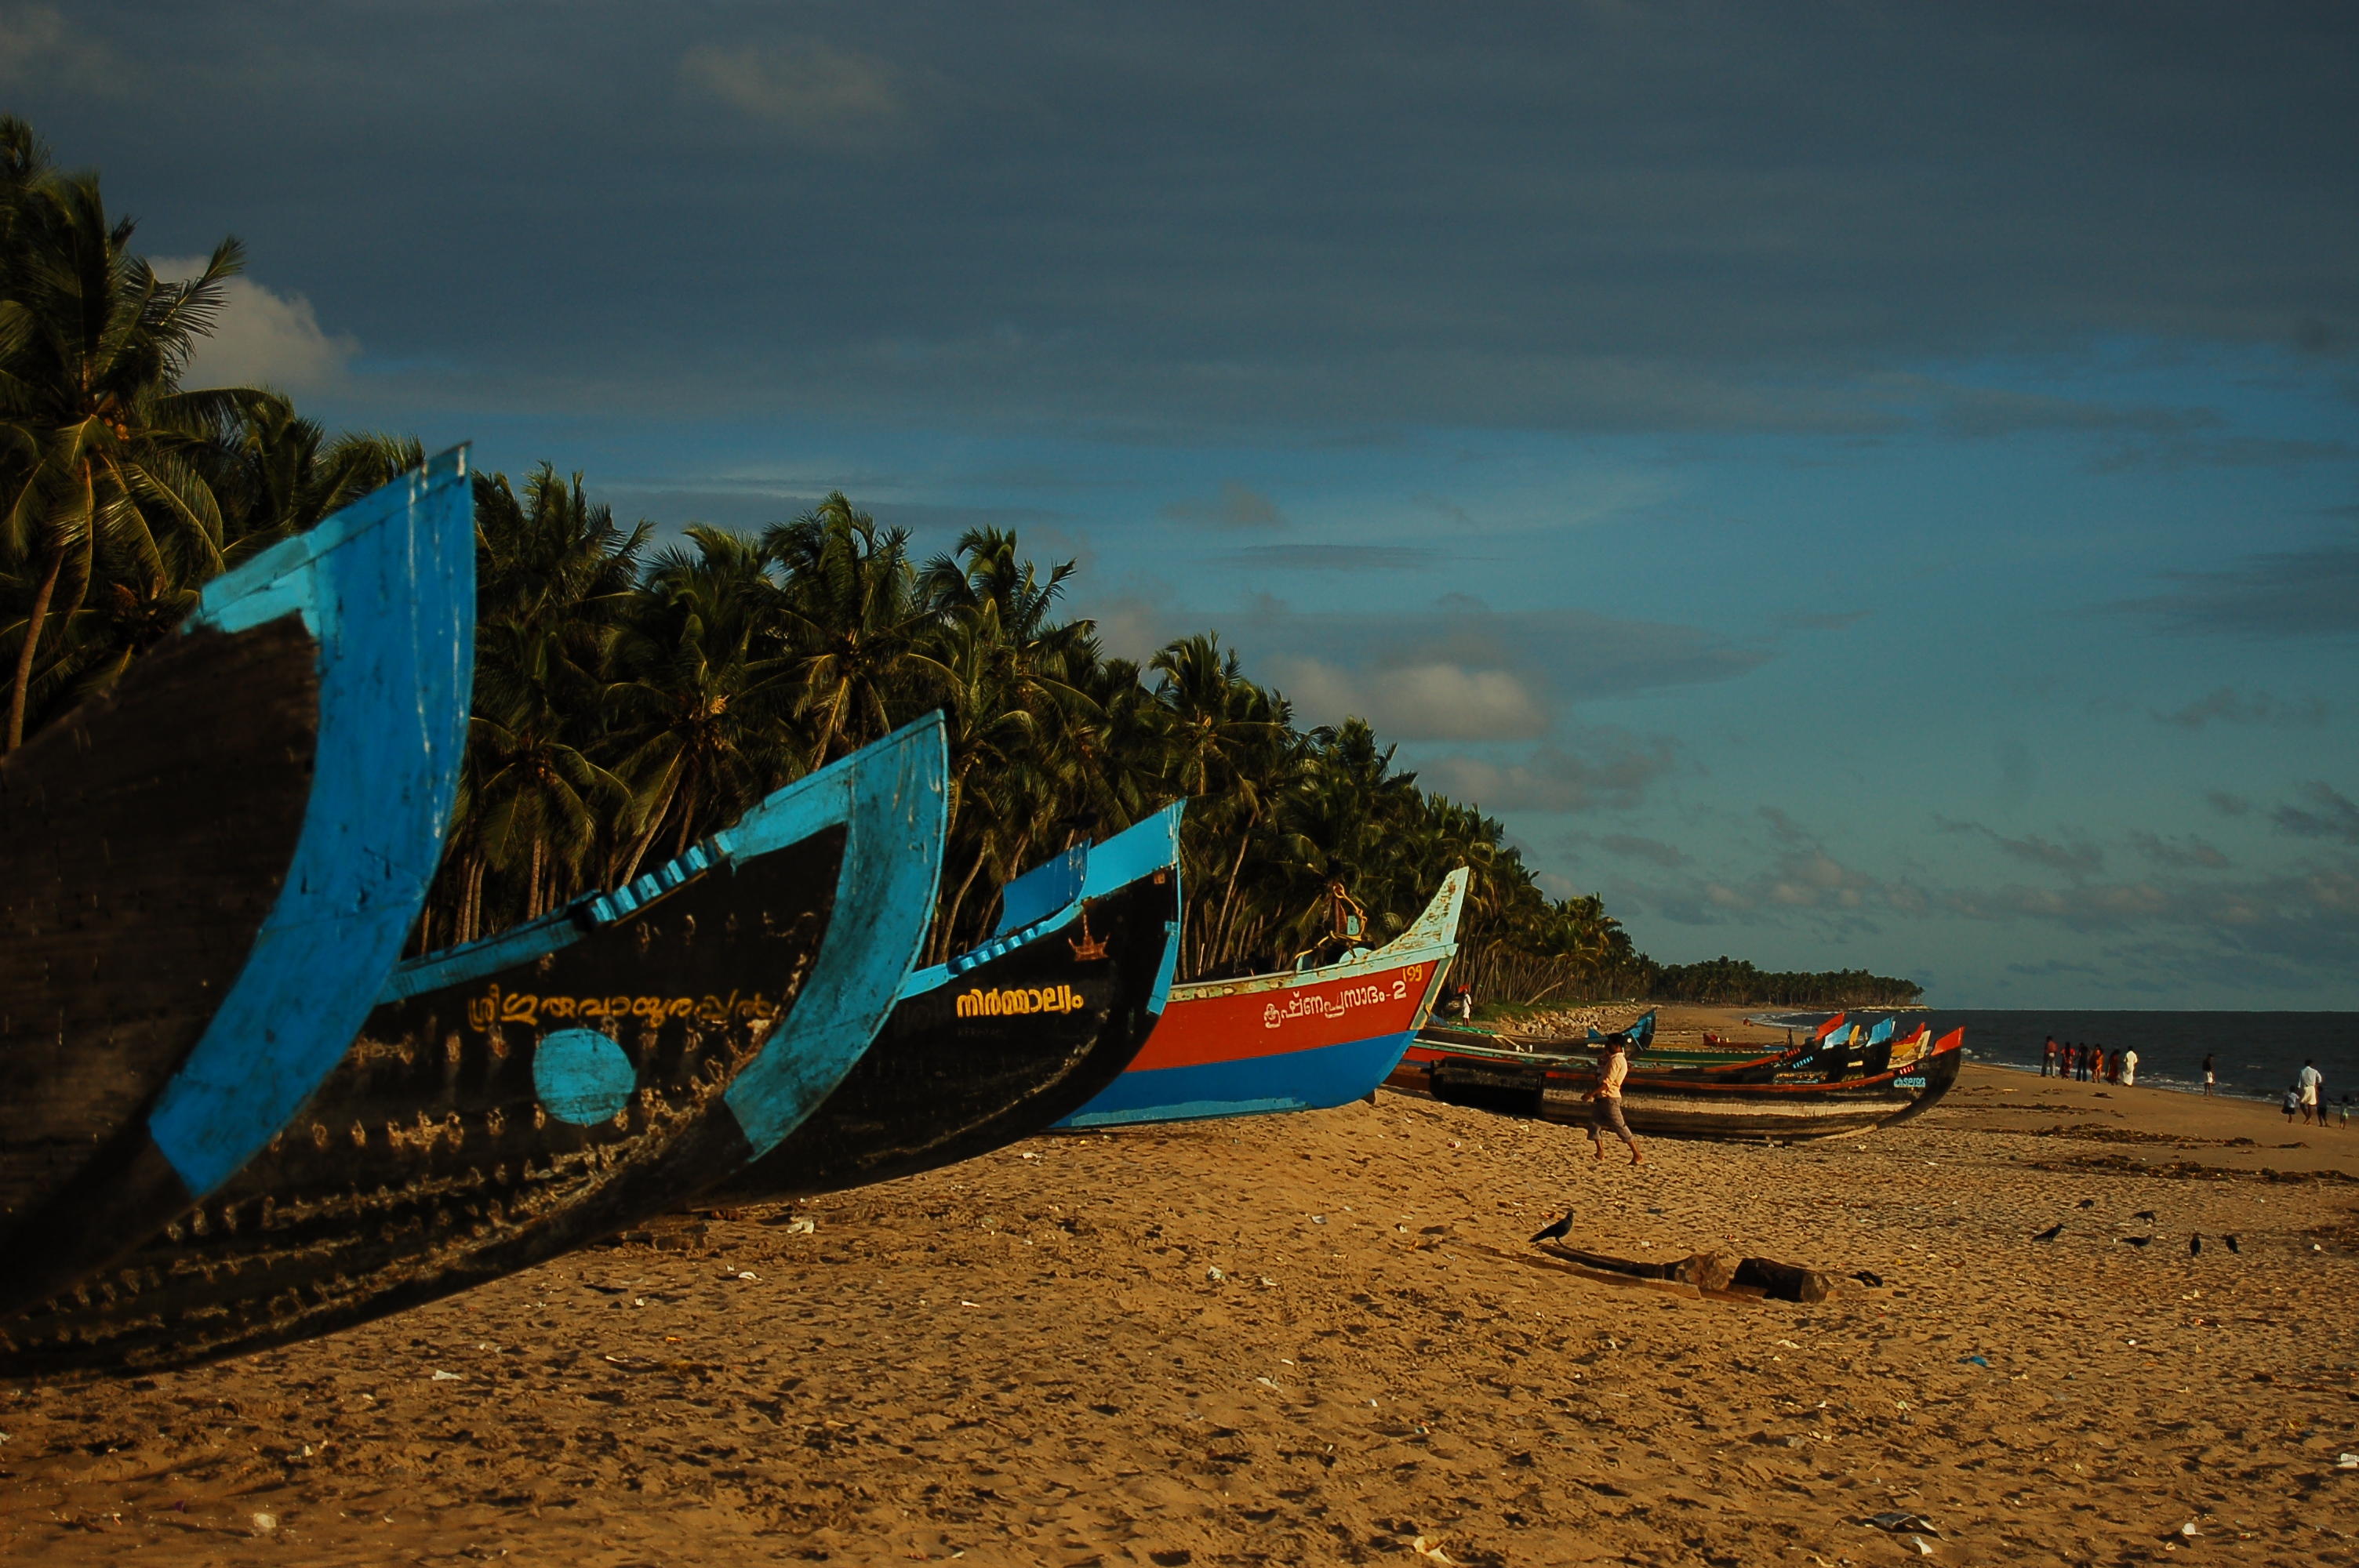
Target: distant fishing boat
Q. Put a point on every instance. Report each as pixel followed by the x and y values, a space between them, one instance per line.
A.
pixel 1318 1037
pixel 212 869
pixel 515 1098
pixel 1734 1063
pixel 1808 1093
pixel 998 1043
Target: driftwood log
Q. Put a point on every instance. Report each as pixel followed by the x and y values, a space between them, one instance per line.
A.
pixel 1718 1271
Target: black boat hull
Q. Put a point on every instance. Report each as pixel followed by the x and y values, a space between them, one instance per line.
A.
pixel 471 1131
pixel 296 745
pixel 994 1054
pixel 145 836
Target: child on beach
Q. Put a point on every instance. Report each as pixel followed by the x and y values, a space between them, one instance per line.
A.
pixel 2292 1104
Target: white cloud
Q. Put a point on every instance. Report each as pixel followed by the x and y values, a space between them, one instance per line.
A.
pixel 817 93
pixel 264 338
pixel 1419 702
pixel 1613 770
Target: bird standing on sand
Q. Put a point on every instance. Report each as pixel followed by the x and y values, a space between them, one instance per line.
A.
pixel 2051 1234
pixel 1557 1232
pixel 2232 1244
pixel 2088 1203
pixel 2194 1246
pixel 2143 1214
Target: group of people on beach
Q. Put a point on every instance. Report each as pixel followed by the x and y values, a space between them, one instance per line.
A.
pixel 2088 1064
pixel 2308 1096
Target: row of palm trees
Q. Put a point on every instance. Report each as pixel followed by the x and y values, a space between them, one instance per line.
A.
pixel 631 699
pixel 633 696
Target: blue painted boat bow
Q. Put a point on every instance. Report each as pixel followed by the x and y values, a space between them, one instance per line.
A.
pixel 387 586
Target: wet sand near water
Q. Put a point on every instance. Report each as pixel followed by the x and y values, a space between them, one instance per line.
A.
pixel 1029 1360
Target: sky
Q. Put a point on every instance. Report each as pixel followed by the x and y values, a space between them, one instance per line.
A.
pixel 1856 485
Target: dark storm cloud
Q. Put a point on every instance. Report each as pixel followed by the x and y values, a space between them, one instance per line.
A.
pixel 1458 671
pixel 1606 768
pixel 2122 437
pixel 2301 593
pixel 1630 847
pixel 2076 859
pixel 2227 706
pixel 2170 853
pixel 1235 507
pixel 2330 814
pixel 1144 220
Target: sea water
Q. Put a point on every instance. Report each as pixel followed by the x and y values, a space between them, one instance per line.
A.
pixel 2258 1053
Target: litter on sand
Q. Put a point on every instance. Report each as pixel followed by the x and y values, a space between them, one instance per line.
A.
pixel 1893 1523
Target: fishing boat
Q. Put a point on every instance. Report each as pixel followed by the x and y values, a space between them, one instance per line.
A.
pixel 1321 1036
pixel 1829 1049
pixel 998 1043
pixel 1818 1096
pixel 212 869
pixel 516 1096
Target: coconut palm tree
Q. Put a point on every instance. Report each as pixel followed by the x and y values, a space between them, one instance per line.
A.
pixel 701 694
pixel 853 623
pixel 105 455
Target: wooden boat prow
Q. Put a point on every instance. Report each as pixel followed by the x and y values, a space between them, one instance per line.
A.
pixel 1301 1041
pixel 225 854
pixel 998 1043
pixel 517 1096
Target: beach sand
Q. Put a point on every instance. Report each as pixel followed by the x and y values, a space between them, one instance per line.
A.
pixel 1028 1360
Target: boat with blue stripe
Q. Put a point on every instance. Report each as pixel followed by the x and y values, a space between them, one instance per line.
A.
pixel 513 1099
pixel 997 1042
pixel 212 866
pixel 1318 1037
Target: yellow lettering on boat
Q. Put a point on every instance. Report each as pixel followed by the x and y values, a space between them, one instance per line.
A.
pixel 1018 1000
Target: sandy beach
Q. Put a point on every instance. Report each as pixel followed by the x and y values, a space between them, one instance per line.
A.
pixel 1320 1339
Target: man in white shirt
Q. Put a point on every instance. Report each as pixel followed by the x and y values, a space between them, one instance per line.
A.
pixel 1605 1102
pixel 2130 1068
pixel 2310 1082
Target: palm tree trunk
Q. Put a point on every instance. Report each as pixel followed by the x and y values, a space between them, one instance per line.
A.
pixel 950 919
pixel 532 905
pixel 655 826
pixel 1245 840
pixel 472 923
pixel 34 620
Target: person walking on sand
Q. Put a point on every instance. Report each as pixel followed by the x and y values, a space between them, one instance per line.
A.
pixel 2211 1074
pixel 2292 1103
pixel 2310 1082
pixel 2129 1069
pixel 1605 1102
pixel 2048 1058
